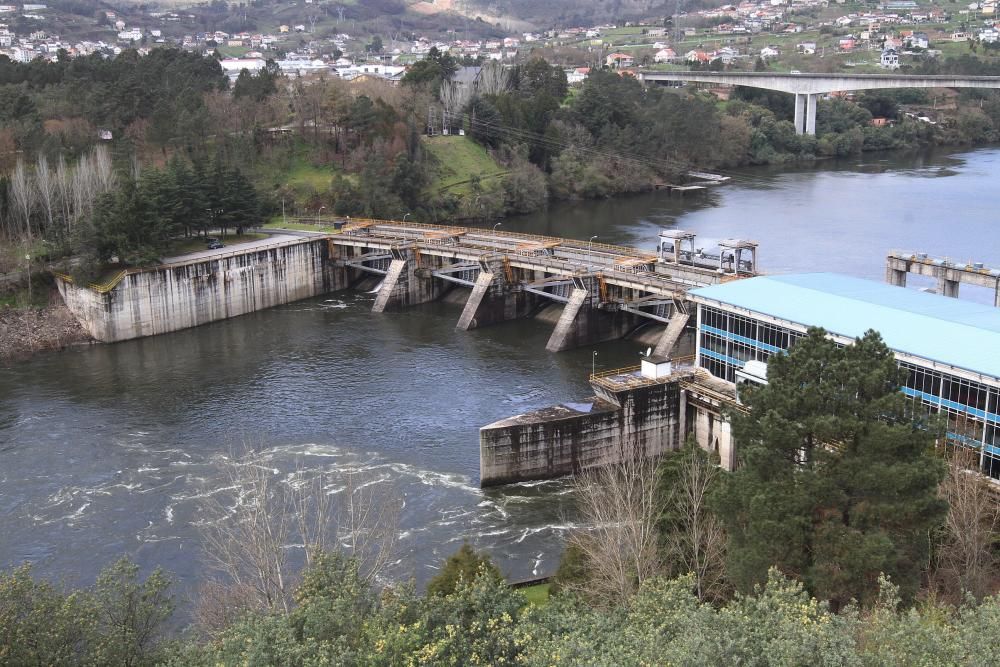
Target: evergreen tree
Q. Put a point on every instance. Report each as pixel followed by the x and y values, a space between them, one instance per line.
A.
pixel 838 479
pixel 465 565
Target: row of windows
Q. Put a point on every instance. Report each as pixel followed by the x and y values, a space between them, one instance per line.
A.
pixel 971 410
pixel 941 388
pixel 759 334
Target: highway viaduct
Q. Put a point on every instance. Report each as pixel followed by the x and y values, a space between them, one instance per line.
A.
pixel 808 87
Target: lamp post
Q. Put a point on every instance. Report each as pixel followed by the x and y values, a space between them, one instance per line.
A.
pixel 319 215
pixel 496 225
pixel 590 252
pixel 593 365
pixel 405 215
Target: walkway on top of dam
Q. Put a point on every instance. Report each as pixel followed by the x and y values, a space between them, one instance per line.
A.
pixel 651 271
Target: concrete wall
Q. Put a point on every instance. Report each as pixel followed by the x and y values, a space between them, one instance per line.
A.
pixel 173 297
pixel 569 438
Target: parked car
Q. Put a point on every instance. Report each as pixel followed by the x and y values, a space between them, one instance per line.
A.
pixel 215 244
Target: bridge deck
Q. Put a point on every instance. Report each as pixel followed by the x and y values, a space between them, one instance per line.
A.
pixel 619 265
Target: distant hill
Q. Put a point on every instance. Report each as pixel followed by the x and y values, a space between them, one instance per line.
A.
pixel 572 12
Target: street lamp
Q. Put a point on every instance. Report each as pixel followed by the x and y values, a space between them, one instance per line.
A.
pixel 319 215
pixel 593 365
pixel 590 252
pixel 496 225
pixel 405 216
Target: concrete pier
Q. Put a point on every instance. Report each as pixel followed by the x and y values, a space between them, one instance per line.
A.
pixel 407 284
pixel 582 324
pixel 493 301
pixel 948 274
pixel 170 297
pixel 628 416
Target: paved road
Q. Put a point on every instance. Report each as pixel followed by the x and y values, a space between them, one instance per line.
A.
pixel 251 245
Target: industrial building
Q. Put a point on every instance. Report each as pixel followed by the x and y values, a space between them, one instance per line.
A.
pixel 950 348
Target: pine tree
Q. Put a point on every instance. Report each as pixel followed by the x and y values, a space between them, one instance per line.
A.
pixel 838 478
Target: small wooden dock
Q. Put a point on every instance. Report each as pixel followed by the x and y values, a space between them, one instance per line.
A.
pixel 679 189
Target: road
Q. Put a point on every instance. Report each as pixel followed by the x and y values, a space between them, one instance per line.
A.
pixel 261 244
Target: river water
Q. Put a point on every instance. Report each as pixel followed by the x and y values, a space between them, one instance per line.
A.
pixel 112 450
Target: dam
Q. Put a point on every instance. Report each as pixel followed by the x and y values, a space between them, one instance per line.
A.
pixel 604 291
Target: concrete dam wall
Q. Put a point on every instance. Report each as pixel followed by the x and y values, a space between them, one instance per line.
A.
pixel 572 437
pixel 177 296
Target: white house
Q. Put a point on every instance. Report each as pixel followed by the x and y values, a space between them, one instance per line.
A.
pixel 769 52
pixel 665 55
pixel 889 59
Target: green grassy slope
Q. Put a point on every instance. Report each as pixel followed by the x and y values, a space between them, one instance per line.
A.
pixel 459 159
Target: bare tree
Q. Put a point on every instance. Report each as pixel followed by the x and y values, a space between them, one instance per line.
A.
pixel 45 187
pixel 620 504
pixel 454 97
pixel 368 524
pixel 966 557
pixel 696 542
pixel 247 535
pixel 246 542
pixel 64 193
pixel 22 193
pixel 494 79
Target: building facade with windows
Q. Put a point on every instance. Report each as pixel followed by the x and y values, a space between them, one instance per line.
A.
pixel 950 348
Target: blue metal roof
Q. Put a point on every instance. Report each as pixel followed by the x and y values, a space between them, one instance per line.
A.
pixel 955 332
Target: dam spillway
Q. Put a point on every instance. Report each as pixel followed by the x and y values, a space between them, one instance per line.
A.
pixel 605 291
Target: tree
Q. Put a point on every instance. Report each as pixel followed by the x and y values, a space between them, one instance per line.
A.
pixel 132 613
pixel 838 481
pixel 465 565
pixel 693 538
pixel 620 504
pixel 40 625
pixel 249 546
pixel 966 560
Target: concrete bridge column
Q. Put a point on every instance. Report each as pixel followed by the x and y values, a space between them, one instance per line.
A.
pixel 800 113
pixel 493 301
pixel 582 324
pixel 895 271
pixel 404 286
pixel 948 283
pixel 811 101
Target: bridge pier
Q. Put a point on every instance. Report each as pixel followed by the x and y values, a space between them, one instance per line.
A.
pixel 492 301
pixel 811 101
pixel 403 286
pixel 582 324
pixel 800 113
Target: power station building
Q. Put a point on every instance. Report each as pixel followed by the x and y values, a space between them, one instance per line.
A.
pixel 950 348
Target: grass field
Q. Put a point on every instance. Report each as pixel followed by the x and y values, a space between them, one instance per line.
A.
pixel 537 594
pixel 278 223
pixel 458 160
pixel 297 172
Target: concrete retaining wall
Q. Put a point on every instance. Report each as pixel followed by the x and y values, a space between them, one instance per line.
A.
pixel 173 297
pixel 569 438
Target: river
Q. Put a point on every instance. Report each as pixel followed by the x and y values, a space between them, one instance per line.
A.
pixel 111 450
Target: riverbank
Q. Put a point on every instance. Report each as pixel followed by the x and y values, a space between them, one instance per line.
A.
pixel 29 330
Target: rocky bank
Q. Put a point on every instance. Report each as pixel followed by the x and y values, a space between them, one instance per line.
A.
pixel 25 331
